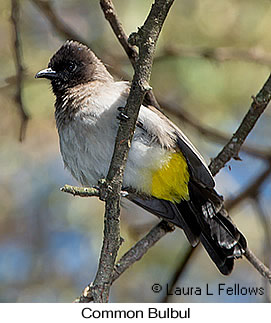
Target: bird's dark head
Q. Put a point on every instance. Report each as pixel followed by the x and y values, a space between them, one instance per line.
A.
pixel 73 64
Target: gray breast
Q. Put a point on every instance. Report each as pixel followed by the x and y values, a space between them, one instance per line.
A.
pixel 87 146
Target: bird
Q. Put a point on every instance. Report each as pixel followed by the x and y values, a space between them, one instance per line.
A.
pixel 164 174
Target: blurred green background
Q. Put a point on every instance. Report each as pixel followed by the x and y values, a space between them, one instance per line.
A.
pixel 50 241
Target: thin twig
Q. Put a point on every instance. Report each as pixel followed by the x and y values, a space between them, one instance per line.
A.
pixel 256 263
pixel 81 191
pixel 232 148
pixel 15 19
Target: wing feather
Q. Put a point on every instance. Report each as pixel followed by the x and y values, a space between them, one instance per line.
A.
pixel 155 125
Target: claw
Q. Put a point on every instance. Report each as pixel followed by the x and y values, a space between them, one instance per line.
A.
pixel 122 116
pixel 124 193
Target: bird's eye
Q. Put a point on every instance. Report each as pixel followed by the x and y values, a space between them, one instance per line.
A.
pixel 71 67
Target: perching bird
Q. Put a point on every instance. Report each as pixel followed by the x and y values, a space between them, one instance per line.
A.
pixel 164 174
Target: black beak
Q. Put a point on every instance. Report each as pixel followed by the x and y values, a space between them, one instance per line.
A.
pixel 47 73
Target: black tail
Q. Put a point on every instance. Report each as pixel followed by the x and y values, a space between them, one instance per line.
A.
pixel 212 226
pixel 203 218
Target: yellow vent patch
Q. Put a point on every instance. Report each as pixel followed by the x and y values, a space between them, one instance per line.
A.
pixel 170 182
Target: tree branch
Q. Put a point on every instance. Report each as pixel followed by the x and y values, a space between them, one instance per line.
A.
pixel 141 247
pixel 15 19
pixel 81 191
pixel 145 39
pixel 256 263
pixel 232 148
